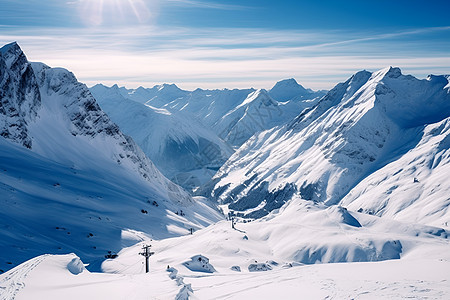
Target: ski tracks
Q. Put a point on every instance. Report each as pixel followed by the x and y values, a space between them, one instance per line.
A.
pixel 186 289
pixel 13 281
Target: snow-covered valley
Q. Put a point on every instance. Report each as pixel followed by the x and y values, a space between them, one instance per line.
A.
pixel 318 195
pixel 190 135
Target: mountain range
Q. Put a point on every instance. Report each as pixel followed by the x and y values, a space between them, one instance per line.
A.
pixel 377 143
pixel 190 135
pixel 238 194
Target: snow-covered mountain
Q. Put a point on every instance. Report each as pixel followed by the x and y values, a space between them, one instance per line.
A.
pixel 234 115
pixel 289 89
pixel 258 112
pixel 184 150
pixel 376 143
pixel 70 179
pixel 189 135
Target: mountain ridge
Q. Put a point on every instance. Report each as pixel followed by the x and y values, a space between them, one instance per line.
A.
pixel 331 147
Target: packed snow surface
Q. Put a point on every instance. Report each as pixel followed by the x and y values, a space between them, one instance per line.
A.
pixel 288 254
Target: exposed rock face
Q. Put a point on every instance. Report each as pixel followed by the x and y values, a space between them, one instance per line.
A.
pixel 19 95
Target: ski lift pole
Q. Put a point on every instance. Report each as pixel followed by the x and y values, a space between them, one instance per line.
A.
pixel 147 253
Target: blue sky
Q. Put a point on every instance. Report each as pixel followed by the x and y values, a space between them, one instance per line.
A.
pixel 217 44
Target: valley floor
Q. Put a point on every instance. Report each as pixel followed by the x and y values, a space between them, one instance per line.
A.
pixel 256 261
pixel 47 277
pixel 415 279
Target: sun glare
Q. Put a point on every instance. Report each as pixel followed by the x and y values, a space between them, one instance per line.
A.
pixel 116 12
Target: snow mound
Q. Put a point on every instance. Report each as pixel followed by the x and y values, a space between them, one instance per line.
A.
pixel 341 215
pixel 75 266
pixel 199 263
pixel 259 267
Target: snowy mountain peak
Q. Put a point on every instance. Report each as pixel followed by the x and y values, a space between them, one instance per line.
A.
pixel 340 93
pixel 290 83
pixel 9 46
pixel 19 94
pixel 390 72
pixel 354 130
pixel 408 101
pixel 172 87
pixel 360 76
pixel 288 89
pixel 260 97
pixel 39 102
pixel 12 54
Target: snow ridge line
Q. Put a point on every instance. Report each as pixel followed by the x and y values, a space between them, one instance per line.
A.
pixel 14 281
pixel 186 289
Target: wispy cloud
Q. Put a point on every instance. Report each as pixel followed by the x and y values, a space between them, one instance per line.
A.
pixel 229 57
pixel 209 4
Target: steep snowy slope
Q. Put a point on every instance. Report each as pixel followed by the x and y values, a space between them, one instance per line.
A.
pixel 413 188
pixel 184 150
pixel 65 165
pixel 49 207
pixel 50 112
pixel 258 112
pixel 360 127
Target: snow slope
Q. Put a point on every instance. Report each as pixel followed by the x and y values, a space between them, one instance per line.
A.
pixel 368 128
pixel 70 180
pixel 296 249
pixel 185 151
pixel 51 277
pixel 258 112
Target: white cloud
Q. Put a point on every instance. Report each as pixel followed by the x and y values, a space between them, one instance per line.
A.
pixel 226 57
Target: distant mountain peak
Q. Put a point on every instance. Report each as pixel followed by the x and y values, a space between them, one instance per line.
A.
pixel 261 96
pixel 389 72
pixel 290 82
pixel 168 87
pixel 13 54
pixel 288 89
pixel 8 47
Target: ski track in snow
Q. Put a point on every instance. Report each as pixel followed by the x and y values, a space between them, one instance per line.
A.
pixel 14 282
pixel 186 289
